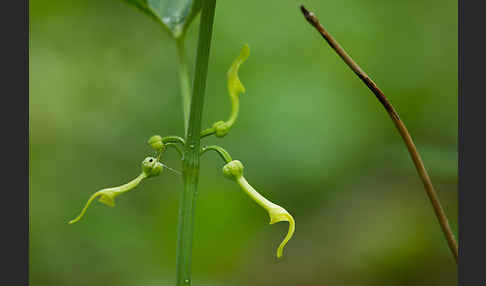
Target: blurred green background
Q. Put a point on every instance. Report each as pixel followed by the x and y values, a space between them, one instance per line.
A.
pixel 313 138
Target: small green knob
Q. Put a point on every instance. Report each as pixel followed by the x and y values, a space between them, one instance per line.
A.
pixel 221 128
pixel 156 143
pixel 233 170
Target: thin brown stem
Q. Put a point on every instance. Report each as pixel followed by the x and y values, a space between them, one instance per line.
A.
pixel 417 160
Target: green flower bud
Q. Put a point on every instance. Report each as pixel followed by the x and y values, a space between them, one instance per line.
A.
pixel 233 170
pixel 156 143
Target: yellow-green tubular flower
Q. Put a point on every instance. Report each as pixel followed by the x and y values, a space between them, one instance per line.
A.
pixel 150 168
pixel 234 171
pixel 235 87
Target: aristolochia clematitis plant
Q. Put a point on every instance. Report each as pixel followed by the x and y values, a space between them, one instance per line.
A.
pixel 233 169
pixel 175 16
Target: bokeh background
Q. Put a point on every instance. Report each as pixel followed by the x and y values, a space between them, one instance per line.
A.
pixel 313 138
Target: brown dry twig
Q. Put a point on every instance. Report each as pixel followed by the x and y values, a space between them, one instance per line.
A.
pixel 417 160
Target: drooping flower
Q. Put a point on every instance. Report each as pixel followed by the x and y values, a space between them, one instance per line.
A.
pixel 151 167
pixel 234 171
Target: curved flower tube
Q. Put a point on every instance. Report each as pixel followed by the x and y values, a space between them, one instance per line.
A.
pixel 234 171
pixel 150 168
pixel 235 87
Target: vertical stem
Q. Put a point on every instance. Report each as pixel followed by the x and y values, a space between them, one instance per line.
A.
pixel 185 84
pixel 192 147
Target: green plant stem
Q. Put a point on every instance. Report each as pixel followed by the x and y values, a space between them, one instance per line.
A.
pixel 190 169
pixel 220 150
pixel 184 80
pixel 208 132
pixel 417 160
pixel 173 139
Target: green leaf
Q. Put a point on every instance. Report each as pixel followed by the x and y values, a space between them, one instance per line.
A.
pixel 175 15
